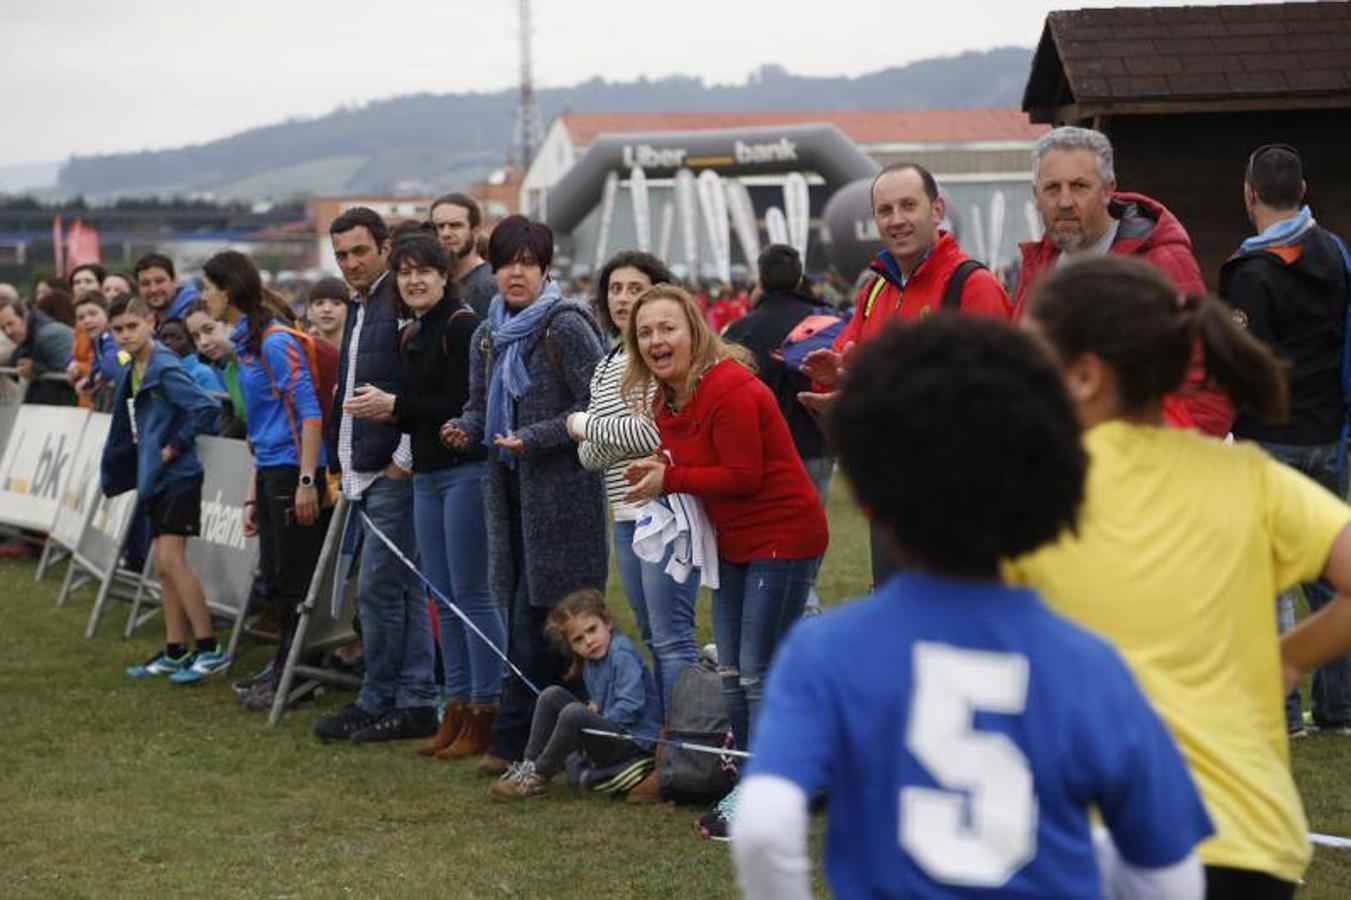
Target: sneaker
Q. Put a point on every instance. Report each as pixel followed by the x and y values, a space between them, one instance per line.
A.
pixel 626 778
pixel 341 724
pixel 399 725
pixel 1297 732
pixel 490 766
pixel 160 664
pixel 203 664
pixel 267 674
pixel 715 825
pixel 524 782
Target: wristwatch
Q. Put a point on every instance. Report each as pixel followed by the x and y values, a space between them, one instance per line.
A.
pixel 307 481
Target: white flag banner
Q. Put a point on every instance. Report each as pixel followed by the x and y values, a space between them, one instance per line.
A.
pixel 607 215
pixel 713 203
pixel 997 212
pixel 743 220
pixel 667 231
pixel 977 234
pixel 685 194
pixel 776 226
pixel 1033 220
pixel 642 216
pixel 797 209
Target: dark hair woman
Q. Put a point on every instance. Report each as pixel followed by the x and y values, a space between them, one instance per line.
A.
pixel 284 421
pixel 448 513
pixel 530 366
pixel 1182 545
pixel 610 435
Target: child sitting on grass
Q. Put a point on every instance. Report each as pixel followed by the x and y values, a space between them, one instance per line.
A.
pixel 623 699
pixel 158 411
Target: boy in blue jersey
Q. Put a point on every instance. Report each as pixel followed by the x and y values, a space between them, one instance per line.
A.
pixel 961 730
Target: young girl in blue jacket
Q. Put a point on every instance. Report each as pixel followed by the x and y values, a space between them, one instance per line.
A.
pixel 623 695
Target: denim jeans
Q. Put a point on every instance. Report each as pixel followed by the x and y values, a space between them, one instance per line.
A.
pixel 663 608
pixel 396 628
pixel 753 608
pixel 819 470
pixel 452 543
pixel 1331 689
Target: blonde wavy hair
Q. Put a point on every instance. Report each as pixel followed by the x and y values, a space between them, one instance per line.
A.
pixel 707 349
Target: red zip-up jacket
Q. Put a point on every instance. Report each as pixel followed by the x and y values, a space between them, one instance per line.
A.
pixel 730 448
pixel 1148 230
pixel 982 294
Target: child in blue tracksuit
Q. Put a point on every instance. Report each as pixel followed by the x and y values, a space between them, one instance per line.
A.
pixel 158 411
pixel 623 695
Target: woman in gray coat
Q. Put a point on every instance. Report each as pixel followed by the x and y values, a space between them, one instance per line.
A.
pixel 530 366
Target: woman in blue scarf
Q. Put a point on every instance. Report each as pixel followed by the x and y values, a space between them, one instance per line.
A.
pixel 530 366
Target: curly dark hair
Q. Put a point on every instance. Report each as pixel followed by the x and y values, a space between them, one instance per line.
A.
pixel 958 435
pixel 650 265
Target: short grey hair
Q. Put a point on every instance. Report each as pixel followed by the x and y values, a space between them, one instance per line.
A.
pixel 8 290
pixel 1067 137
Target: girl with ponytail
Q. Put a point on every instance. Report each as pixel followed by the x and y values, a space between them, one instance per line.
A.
pixel 285 500
pixel 1183 543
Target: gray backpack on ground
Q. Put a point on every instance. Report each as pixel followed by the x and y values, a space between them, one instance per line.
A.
pixel 696 715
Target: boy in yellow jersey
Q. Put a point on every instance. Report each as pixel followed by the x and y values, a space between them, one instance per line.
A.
pixel 1181 544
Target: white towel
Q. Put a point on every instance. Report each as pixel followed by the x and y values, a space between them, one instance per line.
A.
pixel 678 520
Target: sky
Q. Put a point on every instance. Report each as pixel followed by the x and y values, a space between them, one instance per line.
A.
pixel 87 77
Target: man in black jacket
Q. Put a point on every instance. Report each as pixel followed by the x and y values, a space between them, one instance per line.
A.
pixel 398 693
pixel 782 303
pixel 1288 286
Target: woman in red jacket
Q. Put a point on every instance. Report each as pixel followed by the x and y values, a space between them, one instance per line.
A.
pixel 729 446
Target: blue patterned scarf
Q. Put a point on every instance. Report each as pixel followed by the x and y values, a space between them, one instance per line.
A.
pixel 514 335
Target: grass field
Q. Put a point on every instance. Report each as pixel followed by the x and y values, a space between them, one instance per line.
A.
pixel 113 788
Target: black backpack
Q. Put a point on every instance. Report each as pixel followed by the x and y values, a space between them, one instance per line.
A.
pixel 696 714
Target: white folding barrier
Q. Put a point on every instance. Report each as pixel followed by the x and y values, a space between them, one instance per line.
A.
pixel 319 629
pixel 79 494
pixel 36 466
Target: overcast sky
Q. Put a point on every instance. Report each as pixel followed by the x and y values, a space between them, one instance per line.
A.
pixel 101 76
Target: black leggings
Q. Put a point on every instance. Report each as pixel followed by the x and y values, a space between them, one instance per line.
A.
pixel 1223 883
pixel 294 548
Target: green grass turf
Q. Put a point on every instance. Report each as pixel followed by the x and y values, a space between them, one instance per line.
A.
pixel 114 788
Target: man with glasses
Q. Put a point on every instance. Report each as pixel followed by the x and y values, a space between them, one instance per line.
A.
pixel 1287 284
pixel 1084 215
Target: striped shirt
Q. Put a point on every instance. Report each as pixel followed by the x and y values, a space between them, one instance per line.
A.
pixel 614 435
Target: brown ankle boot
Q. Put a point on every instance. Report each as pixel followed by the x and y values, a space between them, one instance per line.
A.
pixel 490 766
pixel 476 734
pixel 452 723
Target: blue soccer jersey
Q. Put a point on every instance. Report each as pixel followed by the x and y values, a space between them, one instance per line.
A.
pixel 962 732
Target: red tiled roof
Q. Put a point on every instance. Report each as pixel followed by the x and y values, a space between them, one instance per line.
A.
pixel 1192 52
pixel 927 126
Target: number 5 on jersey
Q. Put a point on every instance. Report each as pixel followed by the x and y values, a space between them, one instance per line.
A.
pixel 980 827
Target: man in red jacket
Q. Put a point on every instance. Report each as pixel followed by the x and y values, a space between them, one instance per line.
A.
pixel 1085 215
pixel 922 270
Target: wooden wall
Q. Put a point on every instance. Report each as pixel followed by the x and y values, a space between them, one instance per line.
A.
pixel 1194 164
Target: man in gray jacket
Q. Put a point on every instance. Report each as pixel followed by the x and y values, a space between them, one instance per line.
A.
pixel 41 345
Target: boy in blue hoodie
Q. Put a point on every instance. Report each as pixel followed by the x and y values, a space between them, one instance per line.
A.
pixel 158 411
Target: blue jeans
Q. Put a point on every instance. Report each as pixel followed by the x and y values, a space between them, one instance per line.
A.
pixel 452 544
pixel 819 470
pixel 1331 689
pixel 396 628
pixel 663 608
pixel 753 608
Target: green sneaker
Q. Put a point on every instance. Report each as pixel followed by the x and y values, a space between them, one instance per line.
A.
pixel 160 664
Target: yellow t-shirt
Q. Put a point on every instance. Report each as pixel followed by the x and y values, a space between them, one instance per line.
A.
pixel 1182 546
